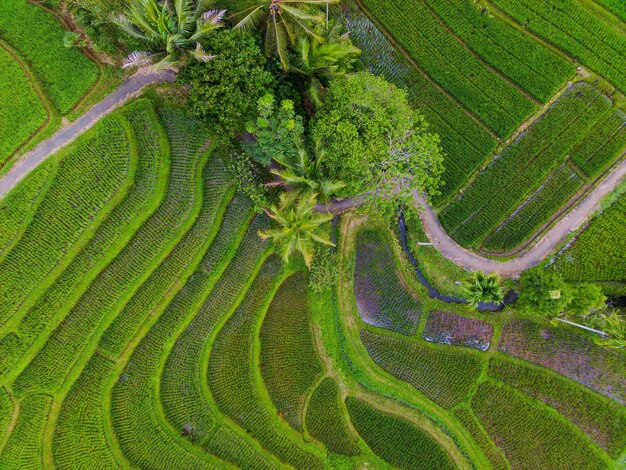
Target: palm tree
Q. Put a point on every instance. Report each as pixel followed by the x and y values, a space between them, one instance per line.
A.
pixel 298 226
pixel 323 57
pixel 483 288
pixel 304 172
pixel 171 30
pixel 283 21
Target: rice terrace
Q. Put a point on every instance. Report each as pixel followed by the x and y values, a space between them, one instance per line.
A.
pixel 309 234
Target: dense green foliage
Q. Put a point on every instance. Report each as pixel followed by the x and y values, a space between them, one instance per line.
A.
pixel 544 292
pixel 326 419
pixel 395 440
pixel 224 90
pixel 480 287
pixel 38 38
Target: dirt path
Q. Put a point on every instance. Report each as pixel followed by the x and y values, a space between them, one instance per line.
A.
pixel 29 161
pixel 545 245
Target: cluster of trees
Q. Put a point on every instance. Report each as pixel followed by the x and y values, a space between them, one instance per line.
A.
pixel 284 89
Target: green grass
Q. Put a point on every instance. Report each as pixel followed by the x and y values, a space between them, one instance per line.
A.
pixel 491 98
pixel 113 286
pixel 80 435
pixel 443 374
pixel 25 115
pixel 289 362
pixel 232 376
pixel 89 175
pixel 529 434
pixel 17 207
pixel 598 254
pixel 66 74
pixel 24 446
pixel 395 440
pixel 326 420
pixel 556 192
pixel 116 230
pixel 6 412
pixel 601 419
pixel 575 30
pixel 524 165
pixel 529 64
pixel 381 297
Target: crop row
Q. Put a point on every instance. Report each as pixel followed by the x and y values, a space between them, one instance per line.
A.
pixel 381 298
pixel 17 207
pixel 616 6
pixel 528 63
pixel 326 421
pixel 558 189
pixel 113 286
pixel 524 165
pixel 492 99
pixel 449 328
pixel 182 390
pixel 232 376
pixel 140 428
pixel 6 412
pixel 529 434
pixel 66 73
pixel 574 29
pixel 445 376
pixel 289 362
pixel 598 252
pixel 606 142
pixel 601 418
pixel 142 197
pixel 217 192
pixel 395 440
pixel 24 448
pixel 493 454
pixel 80 434
pixel 466 144
pixel 90 173
pixel 25 114
pixel 564 351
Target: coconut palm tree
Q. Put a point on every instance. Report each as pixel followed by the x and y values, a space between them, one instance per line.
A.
pixel 480 287
pixel 170 29
pixel 322 57
pixel 304 172
pixel 299 226
pixel 283 20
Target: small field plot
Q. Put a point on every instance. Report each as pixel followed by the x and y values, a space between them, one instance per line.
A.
pixel 569 353
pixel 599 417
pixel 449 328
pixel 523 167
pixel 395 440
pixel 598 253
pixel 25 115
pixel 466 143
pixel 444 376
pixel 326 421
pixel 36 35
pixel 618 7
pixel 381 298
pixel 289 362
pixel 491 98
pixel 529 434
pixel 578 32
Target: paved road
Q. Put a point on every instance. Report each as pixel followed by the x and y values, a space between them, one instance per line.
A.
pixel 29 161
pixel 471 261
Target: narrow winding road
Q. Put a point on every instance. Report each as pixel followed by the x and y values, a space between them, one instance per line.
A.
pixel 30 160
pixel 435 232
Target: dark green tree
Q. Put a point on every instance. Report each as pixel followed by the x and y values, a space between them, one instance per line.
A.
pixel 225 90
pixel 544 292
pixel 481 287
pixel 587 298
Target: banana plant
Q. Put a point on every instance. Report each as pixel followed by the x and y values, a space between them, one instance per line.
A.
pixel 480 287
pixel 170 29
pixel 283 21
pixel 299 226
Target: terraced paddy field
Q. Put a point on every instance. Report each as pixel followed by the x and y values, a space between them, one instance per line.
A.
pixel 35 78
